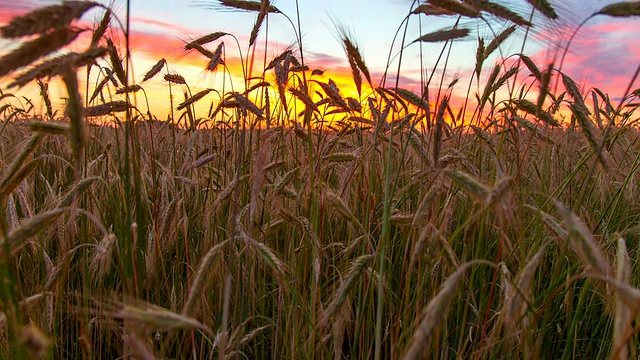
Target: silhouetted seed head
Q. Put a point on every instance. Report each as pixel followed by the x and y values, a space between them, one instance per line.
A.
pixel 154 70
pixel 544 7
pixel 54 66
pixel 278 59
pixel 99 32
pixel 45 19
pixel 116 62
pixel 443 35
pixel 247 5
pixel 193 99
pixel 205 39
pixel 175 79
pixel 621 9
pixel 456 7
pixel 428 9
pixel 216 58
pixel 107 108
pixel 499 11
pixel 35 49
pixel 129 89
pixel 498 40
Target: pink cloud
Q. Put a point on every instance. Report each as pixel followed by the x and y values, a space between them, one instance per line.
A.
pixel 603 55
pixel 161 24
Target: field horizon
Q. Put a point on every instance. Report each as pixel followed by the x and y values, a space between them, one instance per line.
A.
pixel 286 217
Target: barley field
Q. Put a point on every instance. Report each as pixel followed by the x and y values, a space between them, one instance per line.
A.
pixel 290 221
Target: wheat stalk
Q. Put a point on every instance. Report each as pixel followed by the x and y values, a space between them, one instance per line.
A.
pixel 516 303
pixel 35 341
pixel 356 269
pixel 265 253
pixel 262 14
pixel 443 35
pixel 621 9
pixel 57 273
pixel 531 66
pixel 138 348
pixel 10 180
pixel 193 98
pixel 76 120
pixel 33 226
pixel 26 304
pixel 247 5
pixel 55 66
pixel 157 318
pixel 428 9
pixel 44 19
pixel 206 269
pixel 33 50
pixel 102 256
pixel 246 104
pixel 107 108
pixel 545 80
pixel 304 97
pixel 434 314
pixel 78 189
pixel 622 322
pixel 456 7
pixel 498 40
pixel 155 70
pixel 531 108
pixel 215 59
pixel 469 184
pixel 116 62
pixel 338 204
pixel 544 7
pixel 582 242
pixel 175 79
pixel 499 11
pixel 205 39
pixel 101 29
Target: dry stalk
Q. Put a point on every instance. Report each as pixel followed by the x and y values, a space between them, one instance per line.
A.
pixel 36 49
pixel 44 19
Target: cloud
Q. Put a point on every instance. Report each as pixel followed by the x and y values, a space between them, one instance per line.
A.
pixel 604 55
pixel 136 20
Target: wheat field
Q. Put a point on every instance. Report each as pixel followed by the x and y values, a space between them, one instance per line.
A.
pixel 293 222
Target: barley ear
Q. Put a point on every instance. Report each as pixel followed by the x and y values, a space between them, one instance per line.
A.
pixel 443 35
pixel 33 50
pixel 622 324
pixel 151 317
pixel 621 9
pixel 262 14
pixel 545 7
pixel 470 185
pixel 44 19
pixel 74 111
pixel 434 314
pixel 99 32
pixel 516 303
pixel 582 242
pixel 11 179
pixel 457 7
pixel 354 273
pixel 35 341
pixel 337 202
pixel 32 226
pixel 139 349
pixel 206 269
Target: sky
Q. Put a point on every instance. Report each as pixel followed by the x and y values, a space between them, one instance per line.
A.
pixel 605 53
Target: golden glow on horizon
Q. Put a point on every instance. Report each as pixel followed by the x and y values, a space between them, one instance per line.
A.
pixel 149 48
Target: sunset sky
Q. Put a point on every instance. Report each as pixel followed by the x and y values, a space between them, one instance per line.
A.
pixel 605 53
